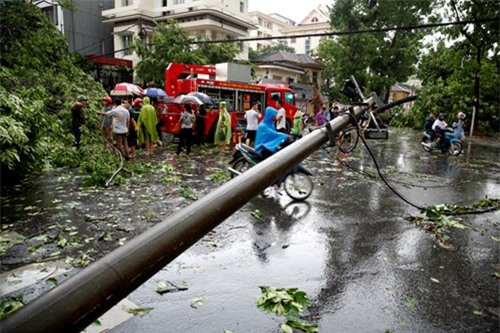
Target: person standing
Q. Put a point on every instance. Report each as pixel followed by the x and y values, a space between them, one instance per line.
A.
pixel 132 129
pixel 281 117
pixel 252 117
pixel 154 102
pixel 297 125
pixel 121 123
pixel 105 123
pixel 187 121
pixel 320 117
pixel 147 126
pixel 201 115
pixel 78 118
pixel 223 129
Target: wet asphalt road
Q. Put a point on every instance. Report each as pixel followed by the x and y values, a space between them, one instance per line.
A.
pixel 364 266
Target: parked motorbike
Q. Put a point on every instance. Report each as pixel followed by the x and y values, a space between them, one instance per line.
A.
pixel 448 143
pixel 297 181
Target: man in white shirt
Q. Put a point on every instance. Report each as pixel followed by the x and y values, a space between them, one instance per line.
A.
pixel 281 117
pixel 252 116
pixel 121 123
pixel 439 127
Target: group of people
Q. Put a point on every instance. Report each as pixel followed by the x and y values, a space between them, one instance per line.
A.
pixel 436 127
pixel 123 124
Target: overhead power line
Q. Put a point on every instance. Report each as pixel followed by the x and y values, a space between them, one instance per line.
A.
pixel 354 32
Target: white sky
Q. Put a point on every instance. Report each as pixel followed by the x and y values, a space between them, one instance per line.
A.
pixel 295 10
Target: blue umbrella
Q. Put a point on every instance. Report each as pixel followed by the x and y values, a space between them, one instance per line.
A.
pixel 155 93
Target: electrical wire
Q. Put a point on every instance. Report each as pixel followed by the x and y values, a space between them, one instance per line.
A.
pixel 353 32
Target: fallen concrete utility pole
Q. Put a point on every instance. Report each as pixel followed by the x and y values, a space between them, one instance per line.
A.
pixel 78 301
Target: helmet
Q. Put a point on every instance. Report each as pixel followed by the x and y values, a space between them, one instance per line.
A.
pixel 81 98
pixel 108 99
pixel 137 101
pixel 461 114
pixel 441 114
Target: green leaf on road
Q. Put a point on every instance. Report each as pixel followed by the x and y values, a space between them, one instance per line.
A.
pixel 258 214
pixel 410 302
pixel 141 312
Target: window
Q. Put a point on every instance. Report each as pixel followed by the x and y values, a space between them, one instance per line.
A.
pixel 127 40
pixel 308 45
pixel 51 13
pixel 164 3
pixel 126 3
pixel 315 77
pixel 178 2
pixel 242 7
pixel 314 19
pixel 290 97
pixel 277 78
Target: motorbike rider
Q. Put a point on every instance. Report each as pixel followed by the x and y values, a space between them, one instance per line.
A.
pixel 439 127
pixel 458 127
pixel 267 140
pixel 429 121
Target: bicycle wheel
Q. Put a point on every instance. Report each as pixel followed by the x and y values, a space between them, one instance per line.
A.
pixel 348 139
pixel 298 186
pixel 241 165
pixel 455 148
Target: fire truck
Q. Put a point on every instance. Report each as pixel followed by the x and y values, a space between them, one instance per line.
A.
pixel 222 82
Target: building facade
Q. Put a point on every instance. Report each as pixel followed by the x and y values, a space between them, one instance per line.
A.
pixel 267 26
pixel 318 21
pixel 222 19
pixel 82 26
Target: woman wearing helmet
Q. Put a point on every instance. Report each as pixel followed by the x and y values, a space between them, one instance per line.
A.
pixel 458 127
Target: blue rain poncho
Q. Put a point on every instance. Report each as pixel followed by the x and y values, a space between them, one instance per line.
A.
pixel 267 137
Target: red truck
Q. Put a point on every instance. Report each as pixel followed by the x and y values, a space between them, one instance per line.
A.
pixel 185 78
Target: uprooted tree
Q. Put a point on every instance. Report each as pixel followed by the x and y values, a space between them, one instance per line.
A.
pixel 39 81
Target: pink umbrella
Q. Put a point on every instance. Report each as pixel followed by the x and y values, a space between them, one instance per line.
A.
pixel 126 89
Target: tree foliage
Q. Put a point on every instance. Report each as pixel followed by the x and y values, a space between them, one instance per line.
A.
pixel 463 72
pixel 380 59
pixel 38 84
pixel 170 43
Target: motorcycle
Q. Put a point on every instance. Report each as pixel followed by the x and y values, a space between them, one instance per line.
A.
pixel 448 143
pixel 297 181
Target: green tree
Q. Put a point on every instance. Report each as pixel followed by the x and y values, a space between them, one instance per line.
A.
pixel 173 44
pixel 448 80
pixel 38 84
pixel 480 41
pixel 170 44
pixel 215 53
pixel 380 59
pixel 279 46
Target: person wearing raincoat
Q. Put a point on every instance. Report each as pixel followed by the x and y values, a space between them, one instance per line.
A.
pixel 147 126
pixel 223 129
pixel 268 140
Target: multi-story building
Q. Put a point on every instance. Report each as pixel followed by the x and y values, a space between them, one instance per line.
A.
pixel 214 19
pixel 268 26
pixel 83 27
pixel 318 21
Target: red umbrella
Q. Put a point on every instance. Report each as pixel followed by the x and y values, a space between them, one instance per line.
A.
pixel 126 89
